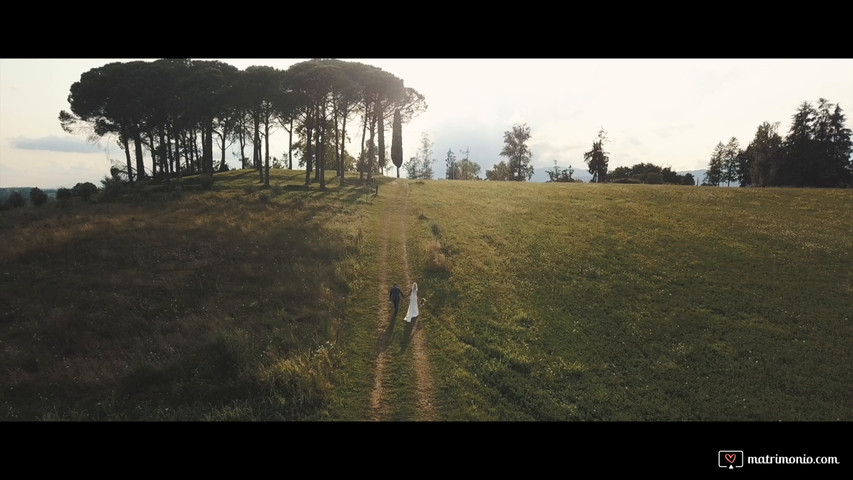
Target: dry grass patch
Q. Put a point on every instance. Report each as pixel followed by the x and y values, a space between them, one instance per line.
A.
pixel 174 307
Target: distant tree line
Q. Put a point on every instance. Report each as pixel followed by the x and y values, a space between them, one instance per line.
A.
pixel 815 153
pixel 14 197
pixel 651 174
pixel 517 167
pixel 181 110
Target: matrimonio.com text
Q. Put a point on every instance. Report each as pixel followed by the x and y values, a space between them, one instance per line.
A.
pixel 732 459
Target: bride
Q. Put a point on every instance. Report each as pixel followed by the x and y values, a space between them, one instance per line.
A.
pixel 413 304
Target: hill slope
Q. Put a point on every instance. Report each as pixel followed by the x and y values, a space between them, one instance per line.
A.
pixel 637 303
pixel 168 305
pixel 542 302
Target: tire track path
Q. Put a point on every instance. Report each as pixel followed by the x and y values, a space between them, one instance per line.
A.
pixel 395 216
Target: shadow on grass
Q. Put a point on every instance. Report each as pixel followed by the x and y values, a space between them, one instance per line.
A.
pixel 388 333
pixel 168 311
pixel 409 333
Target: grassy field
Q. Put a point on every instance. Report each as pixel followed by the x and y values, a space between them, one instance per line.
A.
pixel 568 302
pixel 219 304
pixel 638 303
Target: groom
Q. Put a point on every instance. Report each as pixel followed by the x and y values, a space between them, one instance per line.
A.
pixel 396 295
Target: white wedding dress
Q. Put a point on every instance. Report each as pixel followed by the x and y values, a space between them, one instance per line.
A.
pixel 413 303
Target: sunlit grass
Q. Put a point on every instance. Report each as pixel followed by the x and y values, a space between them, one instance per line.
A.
pixel 637 303
pixel 542 302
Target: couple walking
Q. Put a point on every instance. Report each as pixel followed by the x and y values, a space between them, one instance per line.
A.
pixel 397 295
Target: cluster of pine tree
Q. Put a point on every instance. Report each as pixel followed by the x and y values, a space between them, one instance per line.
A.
pixel 815 153
pixel 179 109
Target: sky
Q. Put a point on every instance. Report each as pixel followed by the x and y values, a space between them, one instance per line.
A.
pixel 668 111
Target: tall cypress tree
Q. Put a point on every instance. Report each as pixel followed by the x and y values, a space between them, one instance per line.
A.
pixel 397 141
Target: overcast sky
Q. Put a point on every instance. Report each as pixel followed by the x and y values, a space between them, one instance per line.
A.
pixel 671 112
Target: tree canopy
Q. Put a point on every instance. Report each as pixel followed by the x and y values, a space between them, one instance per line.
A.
pixel 649 173
pixel 518 153
pixel 597 159
pixel 816 152
pixel 173 108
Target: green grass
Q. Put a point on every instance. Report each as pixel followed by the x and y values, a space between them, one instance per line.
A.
pixel 567 302
pixel 639 303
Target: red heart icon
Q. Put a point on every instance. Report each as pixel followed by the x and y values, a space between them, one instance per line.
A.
pixel 730 457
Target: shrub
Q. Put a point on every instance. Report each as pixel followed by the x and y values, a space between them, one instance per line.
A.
pixel 63 194
pixel 654 178
pixel 16 200
pixel 113 187
pixel 84 190
pixel 437 262
pixel 37 196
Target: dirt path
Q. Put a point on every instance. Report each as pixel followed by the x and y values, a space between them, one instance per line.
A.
pixel 395 217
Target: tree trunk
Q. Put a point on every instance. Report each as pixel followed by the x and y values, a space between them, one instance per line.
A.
pixel 172 152
pixel 224 139
pixel 241 137
pixel 363 161
pixel 201 158
pixel 321 158
pixel 317 146
pixel 290 145
pixel 308 151
pixel 176 134
pixel 343 149
pixel 337 143
pixel 370 151
pixel 182 137
pixel 184 148
pixel 207 147
pixel 256 147
pixel 194 163
pixel 164 158
pixel 267 156
pixel 191 150
pixel 140 165
pixel 126 143
pixel 151 147
pixel 381 131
